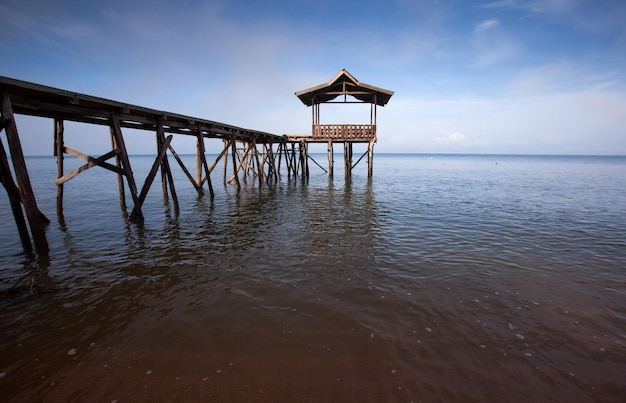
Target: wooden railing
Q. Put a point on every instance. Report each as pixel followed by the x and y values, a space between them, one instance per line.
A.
pixel 344 131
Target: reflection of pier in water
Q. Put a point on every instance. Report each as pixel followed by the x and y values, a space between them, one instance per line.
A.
pixel 253 153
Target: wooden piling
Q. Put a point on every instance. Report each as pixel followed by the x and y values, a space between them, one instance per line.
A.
pixel 234 156
pixel 146 187
pixel 120 175
pixel 128 172
pixel 14 198
pixel 370 159
pixel 166 173
pixel 59 152
pixel 21 173
pixel 203 164
pixel 331 158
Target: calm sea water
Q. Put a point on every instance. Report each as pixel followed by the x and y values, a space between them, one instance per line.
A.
pixel 443 278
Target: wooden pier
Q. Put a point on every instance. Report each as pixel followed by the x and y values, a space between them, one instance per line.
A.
pixel 252 153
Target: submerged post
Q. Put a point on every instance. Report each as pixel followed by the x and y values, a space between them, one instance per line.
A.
pixel 166 173
pixel 370 159
pixel 21 173
pixel 128 172
pixel 15 200
pixel 331 158
pixel 59 151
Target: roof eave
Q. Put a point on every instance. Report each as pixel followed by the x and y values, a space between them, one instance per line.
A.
pixel 307 95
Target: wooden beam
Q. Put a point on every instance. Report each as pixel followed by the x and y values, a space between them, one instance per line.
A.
pixel 27 195
pixel 185 170
pixel 128 172
pixel 14 198
pixel 370 159
pixel 316 163
pixel 120 175
pixel 331 158
pixel 259 166
pixel 202 155
pixel 92 162
pixel 359 160
pixel 155 168
pixel 242 162
pixel 59 146
pixel 224 151
pixel 166 172
pixel 235 167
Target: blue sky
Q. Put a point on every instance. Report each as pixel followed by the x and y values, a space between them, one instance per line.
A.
pixel 503 76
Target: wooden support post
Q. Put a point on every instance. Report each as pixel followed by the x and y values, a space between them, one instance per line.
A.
pixel 128 172
pixel 301 158
pixel 306 157
pixel 288 159
pixel 331 158
pixel 59 152
pixel 224 152
pixel 370 159
pixel 242 162
pixel 228 144
pixel 346 159
pixel 280 156
pixel 199 154
pixel 185 170
pixel 159 143
pixel 14 197
pixel 166 172
pixel 259 166
pixel 21 173
pixel 150 178
pixel 234 155
pixel 275 168
pixel 265 161
pixel 204 164
pixel 294 160
pixel 120 177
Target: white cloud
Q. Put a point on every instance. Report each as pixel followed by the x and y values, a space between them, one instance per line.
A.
pixel 486 25
pixel 492 44
pixel 564 76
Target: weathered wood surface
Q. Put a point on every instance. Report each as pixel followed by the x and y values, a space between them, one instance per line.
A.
pixel 14 198
pixel 150 178
pixel 21 173
pixel 344 131
pixel 166 174
pixel 91 162
pixel 123 155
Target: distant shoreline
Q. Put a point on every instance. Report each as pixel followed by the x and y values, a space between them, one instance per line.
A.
pixel 409 154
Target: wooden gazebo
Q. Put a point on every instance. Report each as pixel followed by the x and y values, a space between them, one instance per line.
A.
pixel 341 86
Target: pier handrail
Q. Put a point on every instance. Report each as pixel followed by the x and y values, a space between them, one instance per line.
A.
pixel 344 131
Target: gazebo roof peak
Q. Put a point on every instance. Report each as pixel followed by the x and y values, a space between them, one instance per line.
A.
pixel 344 83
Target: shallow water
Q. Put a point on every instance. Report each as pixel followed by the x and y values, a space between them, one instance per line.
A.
pixel 443 278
